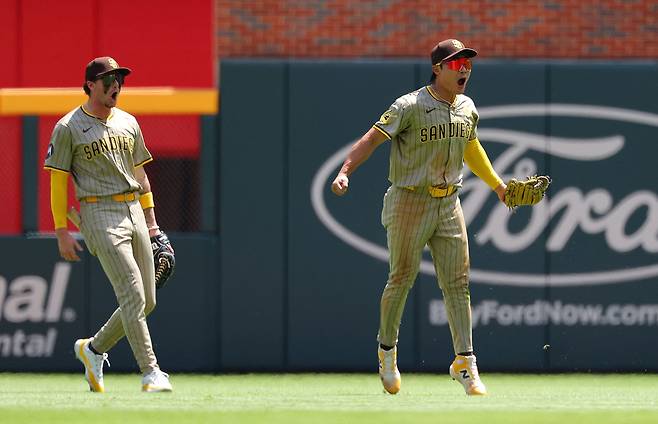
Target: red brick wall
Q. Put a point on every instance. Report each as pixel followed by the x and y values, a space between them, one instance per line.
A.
pixel 409 28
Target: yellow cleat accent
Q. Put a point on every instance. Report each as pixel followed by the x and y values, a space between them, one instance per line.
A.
pixel 464 370
pixel 93 365
pixel 156 381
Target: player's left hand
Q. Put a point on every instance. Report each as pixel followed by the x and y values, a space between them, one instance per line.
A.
pixel 340 184
pixel 500 191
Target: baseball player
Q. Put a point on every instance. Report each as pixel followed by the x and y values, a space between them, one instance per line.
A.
pixel 103 149
pixel 433 131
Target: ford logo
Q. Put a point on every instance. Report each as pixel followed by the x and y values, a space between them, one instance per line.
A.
pixel 593 212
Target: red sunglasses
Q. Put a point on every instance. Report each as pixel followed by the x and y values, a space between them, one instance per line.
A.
pixel 457 64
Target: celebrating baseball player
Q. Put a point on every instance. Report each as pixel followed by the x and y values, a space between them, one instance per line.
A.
pixel 103 149
pixel 433 131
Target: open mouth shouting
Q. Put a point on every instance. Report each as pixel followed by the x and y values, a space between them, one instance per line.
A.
pixel 461 83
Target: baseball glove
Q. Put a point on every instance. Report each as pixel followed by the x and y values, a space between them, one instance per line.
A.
pixel 163 258
pixel 526 193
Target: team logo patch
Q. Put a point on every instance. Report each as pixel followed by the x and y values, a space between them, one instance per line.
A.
pixel 386 117
pixel 51 150
pixel 457 44
pixel 113 63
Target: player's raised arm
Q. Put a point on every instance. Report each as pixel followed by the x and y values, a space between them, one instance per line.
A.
pixel 360 152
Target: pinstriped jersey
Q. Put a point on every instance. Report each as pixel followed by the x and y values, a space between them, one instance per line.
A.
pixel 100 155
pixel 428 138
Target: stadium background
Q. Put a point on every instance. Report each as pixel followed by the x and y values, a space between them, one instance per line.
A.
pixel 243 103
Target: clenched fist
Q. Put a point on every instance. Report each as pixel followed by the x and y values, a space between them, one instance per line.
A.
pixel 340 184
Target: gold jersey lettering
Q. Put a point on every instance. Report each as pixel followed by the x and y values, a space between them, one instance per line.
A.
pixel 106 145
pixel 444 131
pixel 433 133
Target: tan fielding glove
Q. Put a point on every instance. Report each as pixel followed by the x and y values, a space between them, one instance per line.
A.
pixel 526 193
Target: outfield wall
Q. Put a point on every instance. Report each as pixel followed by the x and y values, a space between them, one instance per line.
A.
pixel 292 279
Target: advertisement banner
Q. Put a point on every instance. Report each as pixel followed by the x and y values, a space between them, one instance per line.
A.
pixel 46 304
pixel 42 306
pixel 551 285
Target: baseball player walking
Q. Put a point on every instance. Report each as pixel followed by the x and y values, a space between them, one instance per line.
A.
pixel 433 131
pixel 103 149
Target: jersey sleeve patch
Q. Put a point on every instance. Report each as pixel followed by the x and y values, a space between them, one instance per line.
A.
pixel 392 122
pixel 387 117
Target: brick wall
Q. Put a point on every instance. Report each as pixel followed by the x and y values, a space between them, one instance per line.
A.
pixel 409 28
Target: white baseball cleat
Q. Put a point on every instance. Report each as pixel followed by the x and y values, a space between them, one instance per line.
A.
pixel 464 369
pixel 156 381
pixel 93 364
pixel 388 369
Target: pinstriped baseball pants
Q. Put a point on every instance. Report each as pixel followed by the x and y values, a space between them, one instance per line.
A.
pixel 414 219
pixel 116 233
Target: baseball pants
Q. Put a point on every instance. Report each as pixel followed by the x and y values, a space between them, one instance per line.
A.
pixel 116 233
pixel 414 219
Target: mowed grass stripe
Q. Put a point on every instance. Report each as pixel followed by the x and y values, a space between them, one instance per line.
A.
pixel 338 417
pixel 331 398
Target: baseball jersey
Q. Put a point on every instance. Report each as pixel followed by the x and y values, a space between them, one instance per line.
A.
pixel 100 155
pixel 428 138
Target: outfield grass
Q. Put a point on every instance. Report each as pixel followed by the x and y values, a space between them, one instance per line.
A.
pixel 331 398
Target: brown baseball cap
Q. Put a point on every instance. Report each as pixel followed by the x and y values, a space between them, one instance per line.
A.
pixel 450 49
pixel 101 66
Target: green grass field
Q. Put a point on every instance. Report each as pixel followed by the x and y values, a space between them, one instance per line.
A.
pixel 331 398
